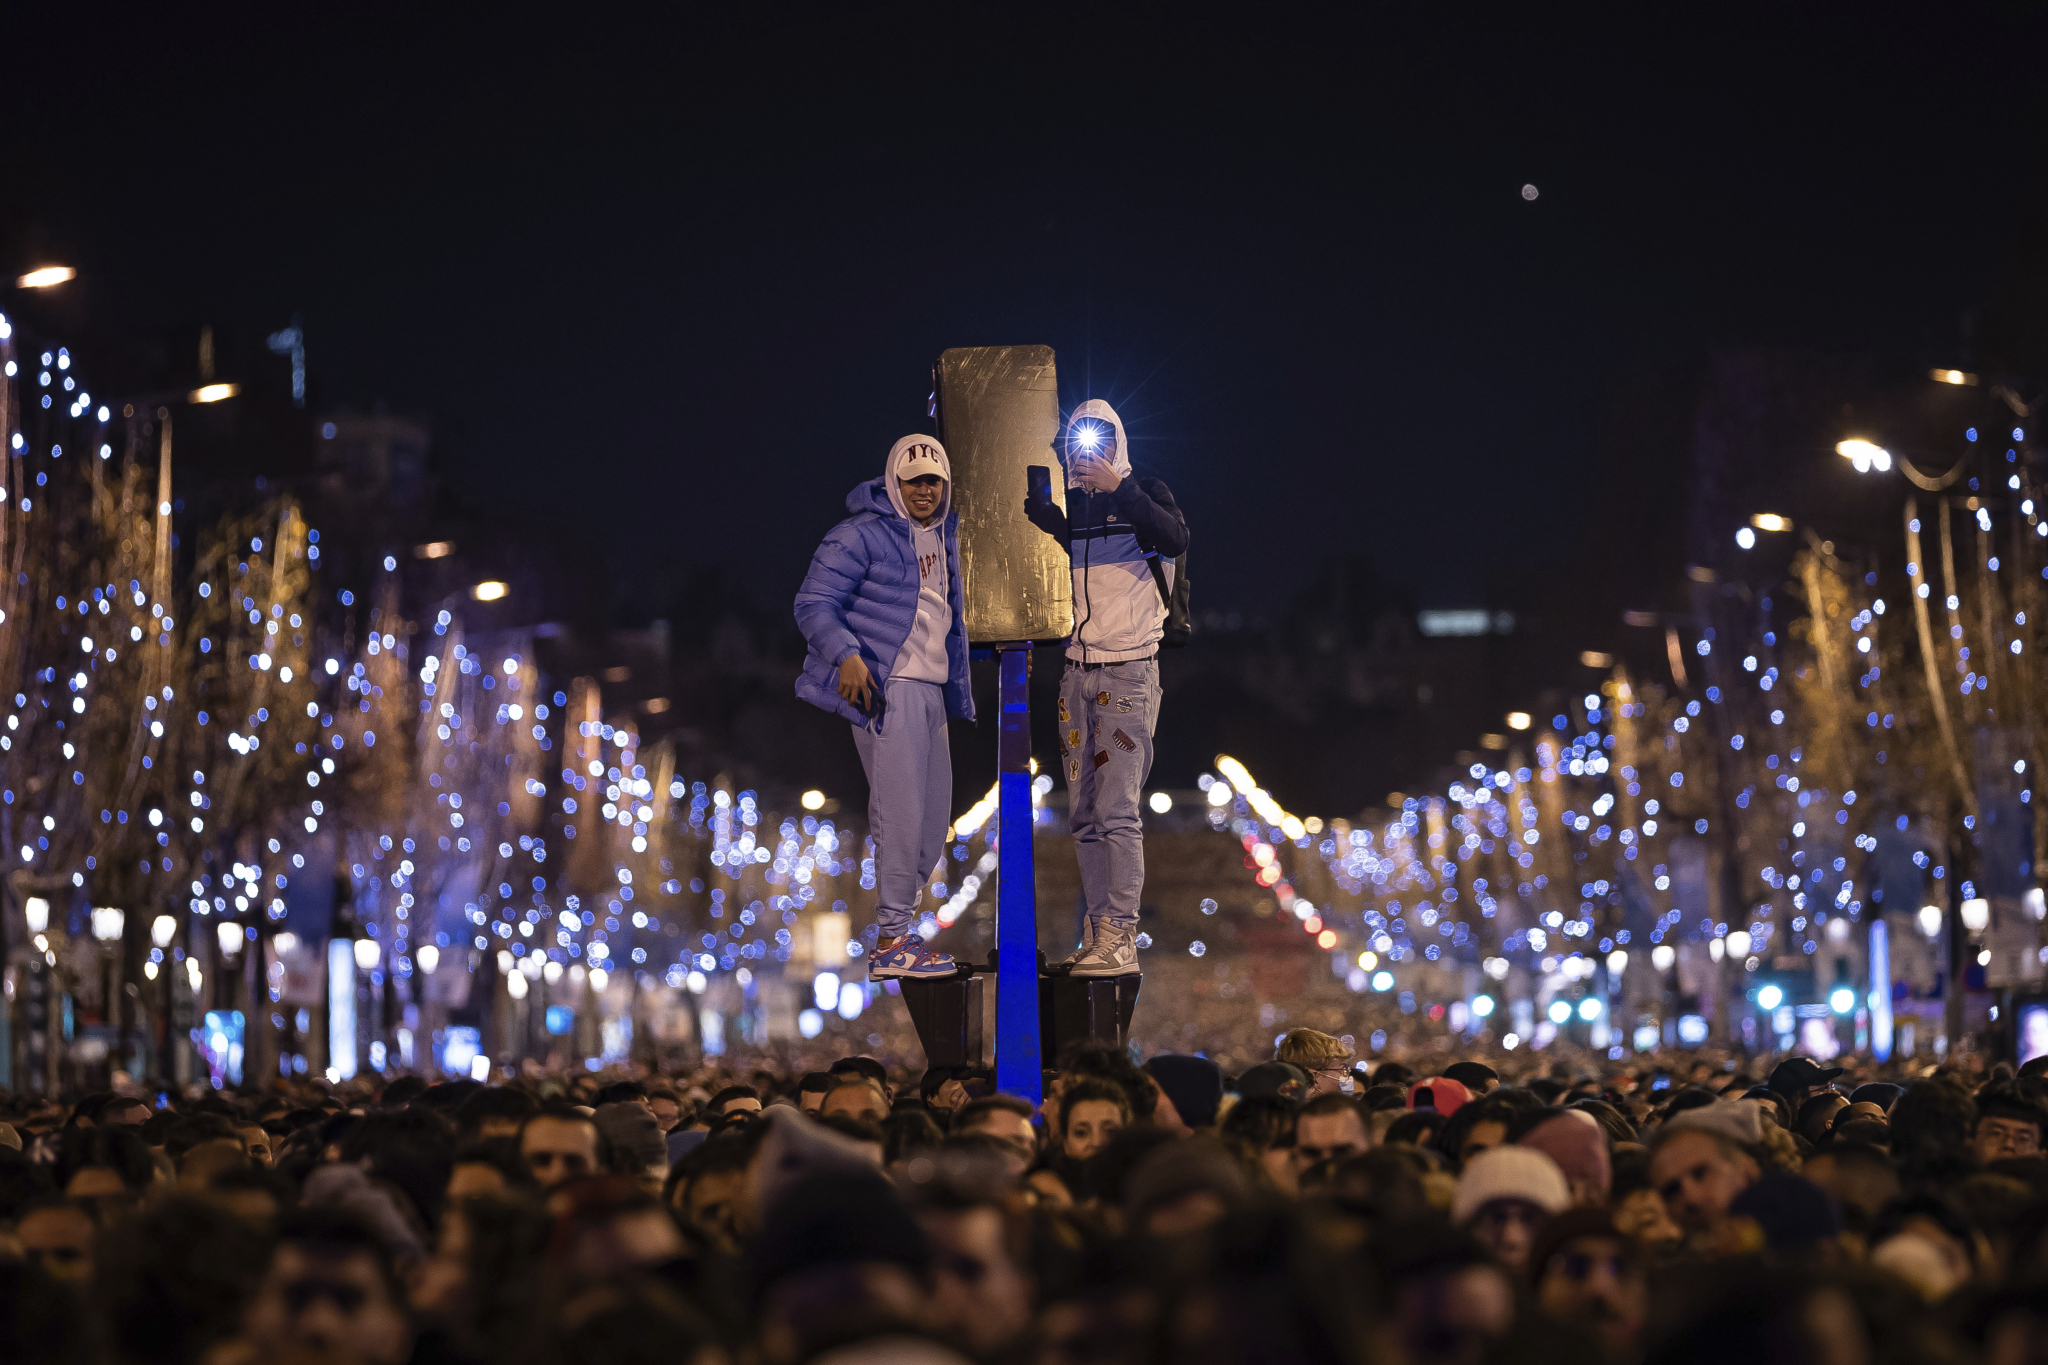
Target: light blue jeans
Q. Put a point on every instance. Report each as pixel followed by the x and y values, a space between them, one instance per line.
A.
pixel 1107 715
pixel 910 797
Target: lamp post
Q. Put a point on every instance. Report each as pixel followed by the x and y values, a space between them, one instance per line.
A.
pixel 1965 917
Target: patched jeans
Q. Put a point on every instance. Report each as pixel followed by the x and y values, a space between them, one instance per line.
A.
pixel 910 797
pixel 1107 715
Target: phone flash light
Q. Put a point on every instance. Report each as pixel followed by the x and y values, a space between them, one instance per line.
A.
pixel 1091 437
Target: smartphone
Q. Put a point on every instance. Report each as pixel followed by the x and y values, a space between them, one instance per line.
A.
pixel 1038 485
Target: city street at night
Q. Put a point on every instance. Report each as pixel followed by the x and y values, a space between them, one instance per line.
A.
pixel 904 686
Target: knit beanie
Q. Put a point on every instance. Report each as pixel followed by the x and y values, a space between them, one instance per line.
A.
pixel 1732 1119
pixel 1510 1173
pixel 1194 1086
pixel 1577 1143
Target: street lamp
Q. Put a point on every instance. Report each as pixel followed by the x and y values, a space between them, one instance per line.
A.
pixel 212 393
pixel 107 921
pixel 46 277
pixel 36 911
pixel 1865 455
pixel 489 591
pixel 162 930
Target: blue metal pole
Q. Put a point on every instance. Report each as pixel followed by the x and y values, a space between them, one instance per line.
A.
pixel 1018 1069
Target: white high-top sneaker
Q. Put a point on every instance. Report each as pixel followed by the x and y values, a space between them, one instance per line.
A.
pixel 1113 953
pixel 1087 942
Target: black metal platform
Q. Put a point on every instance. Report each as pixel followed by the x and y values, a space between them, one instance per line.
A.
pixel 947 1013
pixel 1075 1007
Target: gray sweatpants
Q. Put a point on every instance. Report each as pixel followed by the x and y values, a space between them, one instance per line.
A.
pixel 910 797
pixel 1107 715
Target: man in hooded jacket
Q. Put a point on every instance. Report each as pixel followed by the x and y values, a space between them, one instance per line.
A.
pixel 882 612
pixel 1109 694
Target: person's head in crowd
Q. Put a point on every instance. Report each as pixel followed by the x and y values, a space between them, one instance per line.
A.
pixel 1477 1077
pixel 1270 1079
pixel 1702 1159
pixel 1816 1117
pixel 1091 1113
pixel 943 1089
pixel 867 1068
pixel 1933 1128
pixel 1795 1217
pixel 2010 1123
pixel 1260 1132
pixel 1327 1060
pixel 1414 1128
pixel 177 1280
pixel 1504 1196
pixel 1438 1094
pixel 561 1144
pixel 906 1135
pixel 1449 1301
pixel 1181 1187
pixel 1589 1275
pixel 492 1168
pixel 333 1288
pixel 1860 1178
pixel 486 1272
pixel 707 1188
pixel 1395 1074
pixel 122 1111
pixel 981 1281
pixel 494 1112
pixel 1329 1128
pixel 257 1195
pixel 107 1164
pixel 1193 1086
pixel 619 1092
pixel 667 1107
pixel 1799 1079
pixel 256 1143
pixel 56 1234
pixel 610 1225
pixel 1883 1094
pixel 866 1136
pixel 638 1148
pixel 1925 1240
pixel 813 1089
pixel 734 1099
pixel 1001 1118
pixel 856 1097
pixel 1476 1127
pixel 1575 1140
pixel 838 1260
pixel 410 1150
pixel 1386 1184
pixel 401 1091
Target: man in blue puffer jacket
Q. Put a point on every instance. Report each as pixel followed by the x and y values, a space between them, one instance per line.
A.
pixel 883 612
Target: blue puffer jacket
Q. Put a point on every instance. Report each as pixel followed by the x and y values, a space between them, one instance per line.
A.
pixel 861 595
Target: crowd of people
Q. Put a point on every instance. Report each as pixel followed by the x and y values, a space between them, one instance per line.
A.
pixel 1310 1208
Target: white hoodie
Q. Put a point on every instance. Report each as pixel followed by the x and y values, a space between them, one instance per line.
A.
pixel 923 658
pixel 1118 613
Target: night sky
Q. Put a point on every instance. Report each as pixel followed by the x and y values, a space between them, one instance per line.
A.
pixel 687 283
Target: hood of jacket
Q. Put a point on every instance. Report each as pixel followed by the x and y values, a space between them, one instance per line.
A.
pixel 881 496
pixel 1100 413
